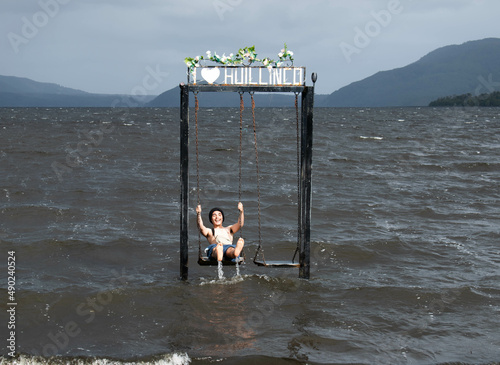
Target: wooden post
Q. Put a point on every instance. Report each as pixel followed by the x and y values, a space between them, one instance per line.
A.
pixel 184 162
pixel 305 183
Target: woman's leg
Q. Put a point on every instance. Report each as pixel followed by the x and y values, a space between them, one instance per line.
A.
pixel 234 252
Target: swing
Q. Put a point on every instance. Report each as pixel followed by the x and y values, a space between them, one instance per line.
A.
pixel 204 260
pixel 306 142
pixel 263 261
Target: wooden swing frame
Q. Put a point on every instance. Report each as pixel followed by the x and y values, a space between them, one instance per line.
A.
pixel 305 190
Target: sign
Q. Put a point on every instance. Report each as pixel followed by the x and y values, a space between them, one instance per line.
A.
pixel 248 75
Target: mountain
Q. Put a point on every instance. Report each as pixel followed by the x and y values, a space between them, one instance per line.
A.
pixel 21 85
pixel 23 92
pixel 471 67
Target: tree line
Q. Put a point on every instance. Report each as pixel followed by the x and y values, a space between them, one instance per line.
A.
pixel 492 99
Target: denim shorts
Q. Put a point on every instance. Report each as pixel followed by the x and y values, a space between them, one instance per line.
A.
pixel 210 249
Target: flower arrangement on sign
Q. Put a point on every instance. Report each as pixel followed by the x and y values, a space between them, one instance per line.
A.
pixel 245 56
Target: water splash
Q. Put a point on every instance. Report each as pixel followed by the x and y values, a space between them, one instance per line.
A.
pixel 238 266
pixel 167 359
pixel 220 273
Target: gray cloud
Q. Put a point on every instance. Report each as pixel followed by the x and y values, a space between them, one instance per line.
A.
pixel 106 46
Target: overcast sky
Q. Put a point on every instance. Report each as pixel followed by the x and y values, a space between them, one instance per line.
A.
pixel 129 46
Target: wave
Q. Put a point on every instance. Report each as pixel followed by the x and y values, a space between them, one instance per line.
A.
pixel 372 137
pixel 404 239
pixel 168 359
pixel 477 167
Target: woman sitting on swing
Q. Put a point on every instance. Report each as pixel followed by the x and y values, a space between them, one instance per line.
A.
pixel 221 238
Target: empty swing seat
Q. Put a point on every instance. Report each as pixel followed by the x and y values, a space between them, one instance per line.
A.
pixel 267 263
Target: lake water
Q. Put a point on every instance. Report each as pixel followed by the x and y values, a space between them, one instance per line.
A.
pixel 405 233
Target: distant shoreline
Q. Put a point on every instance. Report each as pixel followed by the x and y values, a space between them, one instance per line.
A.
pixel 466 100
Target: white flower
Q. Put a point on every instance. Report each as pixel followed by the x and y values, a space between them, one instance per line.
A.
pixel 280 54
pixel 209 53
pixel 290 53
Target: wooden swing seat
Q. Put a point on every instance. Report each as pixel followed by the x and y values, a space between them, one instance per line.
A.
pixel 276 263
pixel 206 261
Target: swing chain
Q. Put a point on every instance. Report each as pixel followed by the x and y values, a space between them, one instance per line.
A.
pixel 242 107
pixel 259 249
pixel 196 108
pixel 298 175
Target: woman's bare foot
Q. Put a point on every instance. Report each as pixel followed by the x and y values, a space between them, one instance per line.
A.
pixel 239 247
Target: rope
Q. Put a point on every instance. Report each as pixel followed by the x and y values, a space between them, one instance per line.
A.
pixel 259 249
pixel 242 107
pixel 298 175
pixel 196 108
